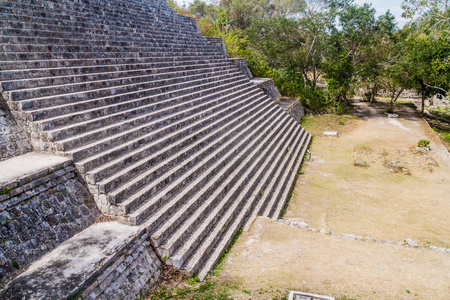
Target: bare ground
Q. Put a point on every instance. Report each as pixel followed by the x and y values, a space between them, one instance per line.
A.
pixel 394 193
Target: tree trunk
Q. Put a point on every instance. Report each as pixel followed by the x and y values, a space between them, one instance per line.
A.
pixel 395 97
pixel 422 90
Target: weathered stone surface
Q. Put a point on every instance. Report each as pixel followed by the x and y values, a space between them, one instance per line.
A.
pixel 38 213
pixel 268 86
pixel 218 44
pixel 13 141
pixel 412 243
pixel 105 261
pixel 294 295
pixel 31 163
pixel 241 63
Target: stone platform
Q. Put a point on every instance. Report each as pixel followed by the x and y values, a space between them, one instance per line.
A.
pixel 105 261
pixel 30 163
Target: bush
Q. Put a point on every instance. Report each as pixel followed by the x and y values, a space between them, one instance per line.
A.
pixel 447 137
pixel 441 112
pixel 314 100
pixel 424 144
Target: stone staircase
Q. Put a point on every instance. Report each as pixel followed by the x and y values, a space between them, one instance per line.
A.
pixel 164 129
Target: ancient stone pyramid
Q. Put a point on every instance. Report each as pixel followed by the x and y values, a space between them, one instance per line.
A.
pixel 166 131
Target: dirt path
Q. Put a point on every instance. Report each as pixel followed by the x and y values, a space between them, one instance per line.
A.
pixel 392 194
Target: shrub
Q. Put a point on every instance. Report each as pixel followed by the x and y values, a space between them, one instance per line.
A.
pixel 447 137
pixel 441 112
pixel 424 144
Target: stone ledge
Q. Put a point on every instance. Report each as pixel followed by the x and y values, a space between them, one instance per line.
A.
pixel 29 167
pixel 47 173
pixel 241 64
pixel 268 86
pixel 94 264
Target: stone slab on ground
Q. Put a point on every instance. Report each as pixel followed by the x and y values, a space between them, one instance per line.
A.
pixel 294 295
pixel 70 267
pixel 29 163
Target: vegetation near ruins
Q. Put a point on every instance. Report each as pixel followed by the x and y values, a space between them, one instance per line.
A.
pixel 303 43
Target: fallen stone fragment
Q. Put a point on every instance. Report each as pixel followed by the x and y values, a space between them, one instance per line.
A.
pixel 360 163
pixel 412 243
pixel 330 133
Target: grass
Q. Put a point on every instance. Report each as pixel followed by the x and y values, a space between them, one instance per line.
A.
pixel 217 268
pixel 316 125
pixel 192 289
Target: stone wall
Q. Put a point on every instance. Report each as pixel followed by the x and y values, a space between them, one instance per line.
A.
pixel 241 63
pixel 296 110
pixel 218 44
pixel 40 211
pixel 268 86
pixel 13 141
pixel 136 270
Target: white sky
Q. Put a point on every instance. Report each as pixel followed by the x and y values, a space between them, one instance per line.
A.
pixel 381 6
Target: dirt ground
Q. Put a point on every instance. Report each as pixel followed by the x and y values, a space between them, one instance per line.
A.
pixel 371 181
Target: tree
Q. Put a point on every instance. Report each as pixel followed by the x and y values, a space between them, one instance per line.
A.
pixel 422 61
pixel 430 15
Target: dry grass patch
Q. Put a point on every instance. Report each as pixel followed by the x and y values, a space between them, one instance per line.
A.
pixel 401 195
pixel 322 264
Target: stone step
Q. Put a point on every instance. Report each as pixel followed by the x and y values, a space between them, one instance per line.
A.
pixel 162 169
pixel 34 74
pixel 105 54
pixel 92 103
pixel 208 254
pixel 184 226
pixel 58 81
pixel 16 24
pixel 242 198
pixel 291 165
pixel 101 145
pixel 112 11
pixel 131 204
pixel 111 15
pixel 24 65
pixel 27 14
pixel 92 162
pixel 131 117
pixel 80 149
pixel 47 87
pixel 133 189
pixel 281 184
pixel 115 173
pixel 37 52
pixel 102 46
pixel 117 37
pixel 289 182
pixel 151 122
pixel 268 198
pixel 159 204
pixel 24 43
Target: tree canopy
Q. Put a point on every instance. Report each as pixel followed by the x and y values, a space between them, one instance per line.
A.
pixel 302 42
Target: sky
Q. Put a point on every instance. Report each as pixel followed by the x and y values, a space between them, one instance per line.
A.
pixel 381 6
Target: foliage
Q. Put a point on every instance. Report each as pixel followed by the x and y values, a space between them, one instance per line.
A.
pixel 441 112
pixel 424 144
pixel 305 45
pixel 192 289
